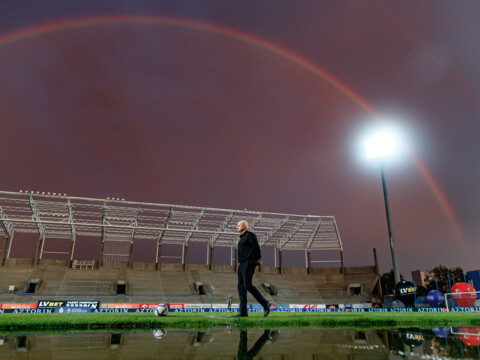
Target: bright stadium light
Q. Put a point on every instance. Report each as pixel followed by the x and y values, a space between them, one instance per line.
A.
pixel 381 146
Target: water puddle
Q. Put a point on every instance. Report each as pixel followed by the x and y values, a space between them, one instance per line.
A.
pixel 231 343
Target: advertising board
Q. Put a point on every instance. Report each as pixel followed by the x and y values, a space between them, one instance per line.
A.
pixel 123 306
pixel 19 306
pixel 80 304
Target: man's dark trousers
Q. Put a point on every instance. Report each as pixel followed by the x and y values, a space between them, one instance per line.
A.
pixel 246 270
pixel 243 352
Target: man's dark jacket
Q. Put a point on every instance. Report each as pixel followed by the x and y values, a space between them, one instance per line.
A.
pixel 248 248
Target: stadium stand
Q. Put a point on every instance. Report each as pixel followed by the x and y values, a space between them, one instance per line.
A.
pixel 326 286
pixel 55 272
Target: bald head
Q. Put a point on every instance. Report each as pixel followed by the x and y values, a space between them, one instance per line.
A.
pixel 242 226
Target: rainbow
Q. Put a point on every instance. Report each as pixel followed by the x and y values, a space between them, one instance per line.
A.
pixel 76 23
pixel 442 200
pixel 48 28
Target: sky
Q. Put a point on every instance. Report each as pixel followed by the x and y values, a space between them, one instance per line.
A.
pixel 259 105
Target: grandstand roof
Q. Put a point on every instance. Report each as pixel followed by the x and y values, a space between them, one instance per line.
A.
pixel 116 220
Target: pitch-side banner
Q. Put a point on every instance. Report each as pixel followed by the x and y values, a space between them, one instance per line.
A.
pixel 68 307
pixel 89 305
pixel 176 306
pixel 93 306
pixel 306 306
pixel 123 306
pixel 281 309
pixel 19 306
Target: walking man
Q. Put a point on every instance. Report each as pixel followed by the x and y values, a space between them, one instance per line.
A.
pixel 249 257
pixel 244 353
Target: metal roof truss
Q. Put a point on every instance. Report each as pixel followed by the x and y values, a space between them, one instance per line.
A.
pixel 126 222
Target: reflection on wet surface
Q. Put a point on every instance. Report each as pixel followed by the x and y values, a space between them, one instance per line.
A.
pixel 233 343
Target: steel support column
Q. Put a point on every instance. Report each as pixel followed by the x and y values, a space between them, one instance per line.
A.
pixel 73 232
pixel 188 237
pixel 102 247
pixel 211 257
pixel 135 225
pixel 342 267
pixel 70 254
pixel 41 231
pixel 100 261
pixel 10 242
pixel 159 254
pixel 36 218
pixel 160 238
pixel 4 250
pixel 280 261
pixel 313 234
pixel 309 262
pixel 130 255
pixel 185 257
pixel 36 261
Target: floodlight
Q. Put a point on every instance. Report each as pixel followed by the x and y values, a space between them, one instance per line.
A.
pixel 381 145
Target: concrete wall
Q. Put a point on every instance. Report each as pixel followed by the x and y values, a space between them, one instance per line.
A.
pixel 326 270
pixel 270 270
pixel 293 270
pixel 143 266
pixel 224 269
pixel 52 262
pixel 198 267
pixel 170 267
pixel 18 261
pixel 359 270
pixel 114 265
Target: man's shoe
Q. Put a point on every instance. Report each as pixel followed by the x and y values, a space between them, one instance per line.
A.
pixel 240 315
pixel 267 310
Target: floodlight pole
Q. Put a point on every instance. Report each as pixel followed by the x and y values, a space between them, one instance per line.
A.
pixel 396 274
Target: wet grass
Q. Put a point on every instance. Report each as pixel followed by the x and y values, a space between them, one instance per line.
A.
pixel 131 321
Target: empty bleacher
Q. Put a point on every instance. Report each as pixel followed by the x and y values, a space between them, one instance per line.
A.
pixel 147 285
